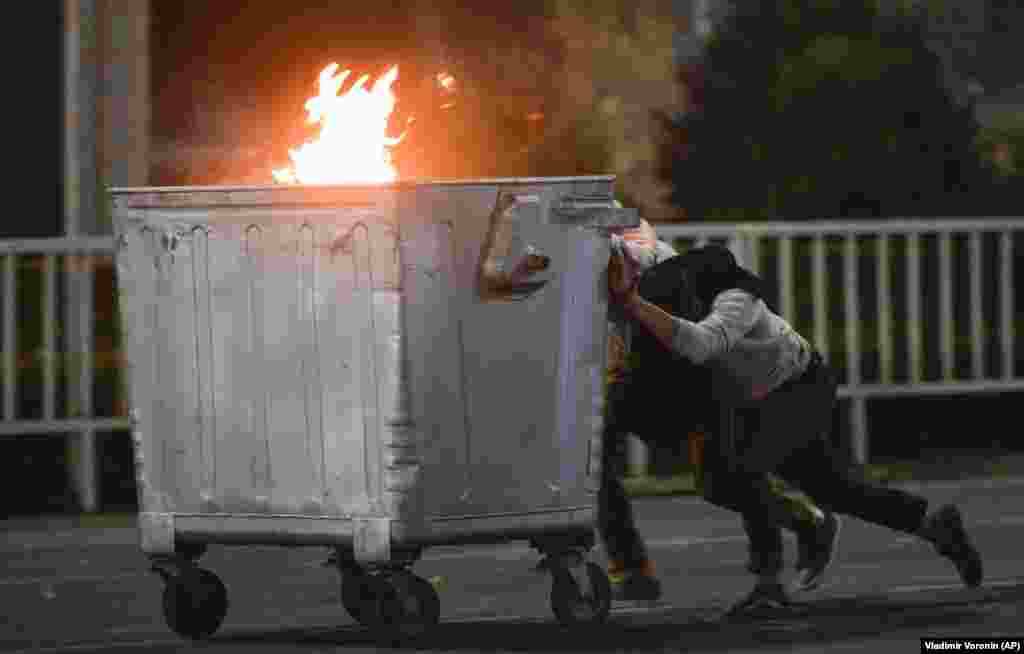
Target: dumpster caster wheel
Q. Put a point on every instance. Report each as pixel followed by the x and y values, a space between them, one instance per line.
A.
pixel 393 603
pixel 409 605
pixel 359 596
pixel 573 605
pixel 195 603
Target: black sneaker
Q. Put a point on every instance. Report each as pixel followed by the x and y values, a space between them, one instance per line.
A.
pixel 817 552
pixel 945 530
pixel 635 586
pixel 767 600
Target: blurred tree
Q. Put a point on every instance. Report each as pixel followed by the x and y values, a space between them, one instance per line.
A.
pixel 822 108
pixel 1003 145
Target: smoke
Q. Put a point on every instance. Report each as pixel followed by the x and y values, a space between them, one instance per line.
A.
pixel 617 69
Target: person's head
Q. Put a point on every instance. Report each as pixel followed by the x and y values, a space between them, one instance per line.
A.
pixel 641 246
pixel 642 235
pixel 714 269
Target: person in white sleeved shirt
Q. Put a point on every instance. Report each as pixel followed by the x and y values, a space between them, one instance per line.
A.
pixel 635 400
pixel 753 345
pixel 779 397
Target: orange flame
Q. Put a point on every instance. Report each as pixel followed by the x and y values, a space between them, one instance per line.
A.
pixel 446 81
pixel 353 145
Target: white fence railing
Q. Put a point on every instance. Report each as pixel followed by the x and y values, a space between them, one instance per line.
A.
pixel 50 283
pixel 959 272
pixel 957 280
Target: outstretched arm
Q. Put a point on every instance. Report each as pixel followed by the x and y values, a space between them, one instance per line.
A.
pixel 656 320
pixel 733 314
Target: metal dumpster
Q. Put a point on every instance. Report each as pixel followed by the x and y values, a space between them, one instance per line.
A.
pixel 371 369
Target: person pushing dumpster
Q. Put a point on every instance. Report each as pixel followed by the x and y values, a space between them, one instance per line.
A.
pixel 643 379
pixel 769 410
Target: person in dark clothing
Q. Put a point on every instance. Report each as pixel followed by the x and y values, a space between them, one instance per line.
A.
pixel 643 379
pixel 630 569
pixel 774 397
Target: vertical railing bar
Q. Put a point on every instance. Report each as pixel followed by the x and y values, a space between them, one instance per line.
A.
pixel 74 444
pixel 1006 301
pixel 72 338
pixel 858 426
pixel 49 327
pixel 884 300
pixel 820 299
pixel 948 345
pixel 785 276
pixel 10 336
pixel 859 429
pixel 977 310
pixel 89 463
pixel 637 456
pixel 852 311
pixel 67 319
pixel 914 304
pixel 753 248
pixel 86 325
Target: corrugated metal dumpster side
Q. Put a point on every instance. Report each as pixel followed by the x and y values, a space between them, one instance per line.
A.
pixel 317 365
pixel 263 354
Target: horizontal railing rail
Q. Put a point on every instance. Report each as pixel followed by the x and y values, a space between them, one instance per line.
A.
pixel 48 284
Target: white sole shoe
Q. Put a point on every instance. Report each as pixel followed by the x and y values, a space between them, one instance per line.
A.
pixel 810 579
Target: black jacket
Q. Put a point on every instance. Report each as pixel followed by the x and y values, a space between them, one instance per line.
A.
pixel 684 286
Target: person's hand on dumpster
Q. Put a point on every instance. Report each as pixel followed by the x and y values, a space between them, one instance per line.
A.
pixel 622 277
pixel 623 282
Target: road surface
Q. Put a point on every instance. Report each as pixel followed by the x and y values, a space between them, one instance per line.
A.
pixel 91 591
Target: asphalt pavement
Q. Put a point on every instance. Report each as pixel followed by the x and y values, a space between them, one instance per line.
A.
pixel 74 589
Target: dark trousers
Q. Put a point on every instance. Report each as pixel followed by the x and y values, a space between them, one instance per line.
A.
pixel 640 409
pixel 785 435
pixel 615 523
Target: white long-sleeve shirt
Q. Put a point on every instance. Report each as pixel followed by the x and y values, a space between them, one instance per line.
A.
pixel 757 349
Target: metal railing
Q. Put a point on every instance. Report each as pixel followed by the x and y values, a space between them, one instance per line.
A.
pixel 50 276
pixel 972 261
pixel 870 256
